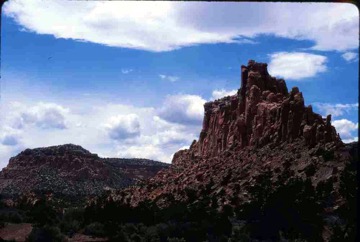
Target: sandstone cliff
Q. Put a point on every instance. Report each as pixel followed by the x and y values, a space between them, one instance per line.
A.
pixel 262 112
pixel 263 128
pixel 265 167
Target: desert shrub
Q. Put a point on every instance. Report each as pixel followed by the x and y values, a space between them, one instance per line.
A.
pixel 136 238
pixel 290 207
pixel 129 228
pixel 70 227
pixel 323 190
pixel 164 230
pixel 119 236
pixel 193 222
pixel 11 216
pixel 348 184
pixel 348 211
pixel 144 213
pixel 131 232
pixel 327 155
pixel 337 233
pixel 74 214
pixel 72 221
pixel 152 234
pixel 310 170
pixel 46 233
pixel 174 239
pixel 2 203
pixel 43 214
pixel 239 233
pixel 296 211
pixel 222 226
pixel 261 190
pixel 14 217
pixel 95 229
pixel 191 194
pixel 174 212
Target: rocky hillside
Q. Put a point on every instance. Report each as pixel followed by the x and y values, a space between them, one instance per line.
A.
pixel 256 144
pixel 261 128
pixel 70 170
pixel 261 113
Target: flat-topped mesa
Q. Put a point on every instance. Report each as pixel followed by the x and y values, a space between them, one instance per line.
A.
pixel 72 171
pixel 262 112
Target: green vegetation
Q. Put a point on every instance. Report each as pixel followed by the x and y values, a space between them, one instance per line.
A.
pixel 46 233
pixel 288 210
pixel 346 231
pixel 285 209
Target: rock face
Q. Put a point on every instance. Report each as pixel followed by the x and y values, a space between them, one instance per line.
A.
pixel 70 170
pixel 262 112
pixel 263 128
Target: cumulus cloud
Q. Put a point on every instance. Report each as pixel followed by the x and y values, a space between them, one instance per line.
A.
pixel 149 151
pixel 183 109
pixel 122 127
pixel 170 132
pixel 108 129
pixel 345 128
pixel 42 115
pixel 165 26
pixel 296 65
pixel 349 56
pixel 169 78
pixel 336 109
pixel 216 94
pixel 9 137
pixel 10 140
pixel 23 124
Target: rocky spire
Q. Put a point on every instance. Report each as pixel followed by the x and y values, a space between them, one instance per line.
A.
pixel 262 112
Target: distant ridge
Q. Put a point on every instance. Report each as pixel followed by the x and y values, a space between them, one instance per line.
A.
pixel 70 170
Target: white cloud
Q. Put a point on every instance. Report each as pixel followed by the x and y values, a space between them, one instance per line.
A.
pixel 126 71
pixel 150 151
pixel 108 129
pixel 216 94
pixel 336 109
pixel 183 109
pixel 169 78
pixel 296 65
pixel 9 136
pixel 123 126
pixel 42 115
pixel 345 128
pixel 10 140
pixel 164 26
pixel 349 56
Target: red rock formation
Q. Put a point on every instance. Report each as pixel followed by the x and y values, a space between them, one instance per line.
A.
pixel 261 128
pixel 70 170
pixel 262 131
pixel 262 112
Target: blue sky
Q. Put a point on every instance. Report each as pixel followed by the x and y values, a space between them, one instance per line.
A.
pixel 130 79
